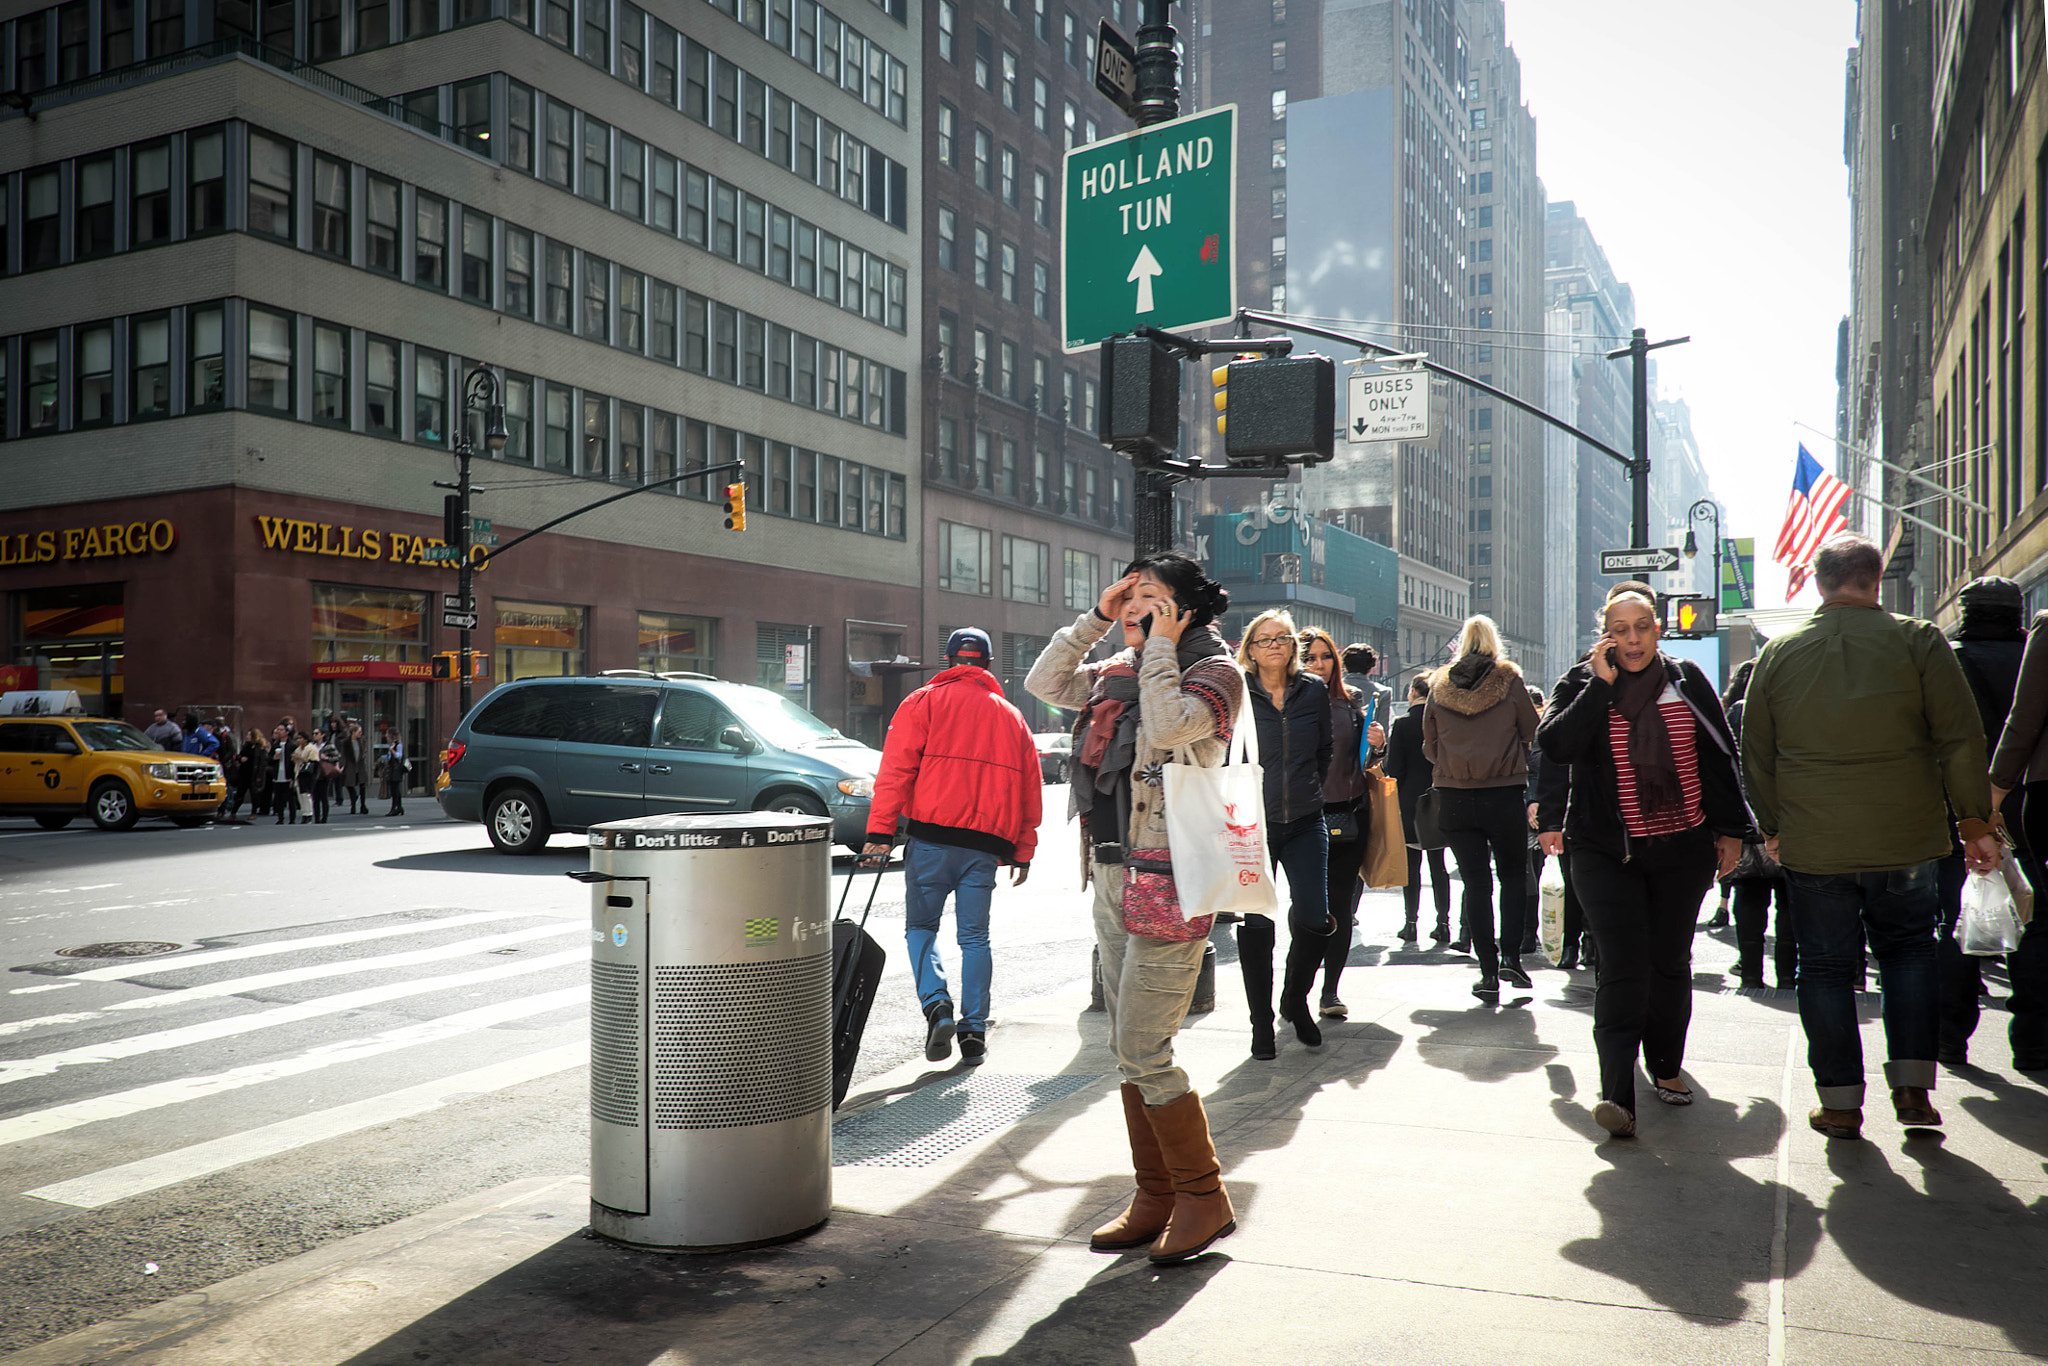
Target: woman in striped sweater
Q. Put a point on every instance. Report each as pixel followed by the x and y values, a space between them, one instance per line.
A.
pixel 1655 808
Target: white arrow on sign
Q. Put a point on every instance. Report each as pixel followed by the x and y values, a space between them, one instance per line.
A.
pixel 1142 270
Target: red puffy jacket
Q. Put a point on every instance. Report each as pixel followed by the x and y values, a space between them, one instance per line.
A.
pixel 960 767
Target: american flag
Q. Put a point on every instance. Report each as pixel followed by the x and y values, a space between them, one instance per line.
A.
pixel 1813 514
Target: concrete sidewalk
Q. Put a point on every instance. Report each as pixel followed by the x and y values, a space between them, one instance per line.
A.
pixel 1427 1187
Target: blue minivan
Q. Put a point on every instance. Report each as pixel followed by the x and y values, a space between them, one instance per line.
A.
pixel 548 754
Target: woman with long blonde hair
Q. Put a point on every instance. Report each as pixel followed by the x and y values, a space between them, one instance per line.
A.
pixel 1291 708
pixel 1476 732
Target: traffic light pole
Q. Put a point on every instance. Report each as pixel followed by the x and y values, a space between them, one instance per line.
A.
pixel 1158 100
pixel 1638 351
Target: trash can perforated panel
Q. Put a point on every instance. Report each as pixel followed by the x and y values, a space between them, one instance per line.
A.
pixel 741 1044
pixel 615 1042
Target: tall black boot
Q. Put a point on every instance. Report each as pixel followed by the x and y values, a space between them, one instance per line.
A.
pixel 1255 961
pixel 1304 956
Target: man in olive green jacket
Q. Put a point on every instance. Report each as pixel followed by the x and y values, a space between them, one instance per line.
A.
pixel 1856 727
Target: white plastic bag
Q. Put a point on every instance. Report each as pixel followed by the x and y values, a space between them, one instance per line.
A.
pixel 1989 924
pixel 1552 922
pixel 1216 830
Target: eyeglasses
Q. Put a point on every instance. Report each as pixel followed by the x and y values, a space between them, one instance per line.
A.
pixel 1268 642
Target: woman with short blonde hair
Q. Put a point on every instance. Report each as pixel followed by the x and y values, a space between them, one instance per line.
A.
pixel 1245 658
pixel 1476 732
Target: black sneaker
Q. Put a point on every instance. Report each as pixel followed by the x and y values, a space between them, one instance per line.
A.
pixel 938 1038
pixel 973 1047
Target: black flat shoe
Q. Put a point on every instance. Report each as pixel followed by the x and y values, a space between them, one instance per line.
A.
pixel 1487 986
pixel 1512 974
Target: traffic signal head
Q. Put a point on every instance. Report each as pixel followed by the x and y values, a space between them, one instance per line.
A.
pixel 1690 618
pixel 1139 412
pixel 1279 406
pixel 736 506
pixel 442 666
pixel 452 520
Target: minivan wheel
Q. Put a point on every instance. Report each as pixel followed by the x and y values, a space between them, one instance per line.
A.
pixel 517 821
pixel 54 821
pixel 796 804
pixel 113 806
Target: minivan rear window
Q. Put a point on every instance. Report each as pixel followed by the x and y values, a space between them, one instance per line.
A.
pixel 521 714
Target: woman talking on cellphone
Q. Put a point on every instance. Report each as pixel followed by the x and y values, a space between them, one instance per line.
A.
pixel 1655 809
pixel 1170 695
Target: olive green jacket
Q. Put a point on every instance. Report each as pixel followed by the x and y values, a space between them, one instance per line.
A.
pixel 1856 724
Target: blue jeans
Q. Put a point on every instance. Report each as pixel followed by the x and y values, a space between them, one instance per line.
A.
pixel 1899 910
pixel 931 873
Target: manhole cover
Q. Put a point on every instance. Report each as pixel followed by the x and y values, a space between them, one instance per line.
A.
pixel 119 948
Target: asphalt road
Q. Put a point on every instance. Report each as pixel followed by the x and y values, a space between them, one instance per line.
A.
pixel 353 1023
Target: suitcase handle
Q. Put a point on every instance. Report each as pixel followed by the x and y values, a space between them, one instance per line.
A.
pixel 853 875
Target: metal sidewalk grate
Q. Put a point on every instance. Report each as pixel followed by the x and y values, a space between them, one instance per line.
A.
pixel 945 1116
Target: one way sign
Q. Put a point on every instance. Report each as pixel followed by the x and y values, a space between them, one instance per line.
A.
pixel 1640 560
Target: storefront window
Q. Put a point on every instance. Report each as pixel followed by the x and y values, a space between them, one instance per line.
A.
pixel 675 644
pixel 538 640
pixel 377 624
pixel 72 637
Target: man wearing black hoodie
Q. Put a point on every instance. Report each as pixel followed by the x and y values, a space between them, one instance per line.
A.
pixel 1988 643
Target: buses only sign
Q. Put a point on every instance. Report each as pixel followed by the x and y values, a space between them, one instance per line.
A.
pixel 1387 405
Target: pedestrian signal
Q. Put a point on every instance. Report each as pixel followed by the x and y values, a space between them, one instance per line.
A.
pixel 446 666
pixel 442 666
pixel 736 507
pixel 1690 618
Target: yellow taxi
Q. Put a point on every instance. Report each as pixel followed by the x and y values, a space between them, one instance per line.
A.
pixel 56 768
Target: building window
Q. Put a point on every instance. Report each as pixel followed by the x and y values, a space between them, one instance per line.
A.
pixel 965 553
pixel 1482 588
pixel 117 34
pixel 556 157
pixel 949 124
pixel 519 419
pixel 380 386
pixel 149 212
pixel 94 370
pixel 1008 273
pixel 664 193
pixel 949 248
pixel 1279 201
pixel 1041 289
pixel 330 375
pixel 430 397
pixel 597 38
pixel 632 177
pixel 270 361
pixel 473 115
pixel 983 155
pixel 1279 105
pixel 380 231
pixel 373 26
pixel 1041 104
pixel 632 420
pixel 661 330
pixel 1006 370
pixel 1026 574
pixel 149 339
pixel 209 373
pixel 1280 55
pixel 1079 581
pixel 93 215
pixel 1486 283
pixel 1009 176
pixel 430 241
pixel 206 201
pixel 476 257
pixel 981 257
pixel 597 296
pixel 948 20
pixel 1041 198
pixel 632 310
pixel 1482 250
pixel 518 272
pixel 538 640
pixel 330 207
pixel 1009 80
pixel 39 413
pixel 597 161
pixel 323 31
pixel 558 285
pixel 984 58
pixel 519 126
pixel 555 428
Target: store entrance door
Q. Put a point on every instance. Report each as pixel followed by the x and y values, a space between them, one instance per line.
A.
pixel 386 712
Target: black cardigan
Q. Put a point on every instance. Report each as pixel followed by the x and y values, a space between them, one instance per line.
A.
pixel 1574 731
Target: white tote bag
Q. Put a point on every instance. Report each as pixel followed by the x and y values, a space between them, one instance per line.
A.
pixel 1216 829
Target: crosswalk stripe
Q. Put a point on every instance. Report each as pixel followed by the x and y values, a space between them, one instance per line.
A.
pixel 187 1035
pixel 57 1119
pixel 348 966
pixel 122 971
pixel 202 1159
pixel 24 1026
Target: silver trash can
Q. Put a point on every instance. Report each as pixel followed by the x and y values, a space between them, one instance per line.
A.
pixel 711 1029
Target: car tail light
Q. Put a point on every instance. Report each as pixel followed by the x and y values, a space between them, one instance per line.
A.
pixel 452 755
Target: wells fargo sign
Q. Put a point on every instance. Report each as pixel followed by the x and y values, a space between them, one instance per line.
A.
pixel 345 542
pixel 86 542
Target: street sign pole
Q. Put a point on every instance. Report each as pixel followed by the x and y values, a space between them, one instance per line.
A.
pixel 1158 99
pixel 1638 351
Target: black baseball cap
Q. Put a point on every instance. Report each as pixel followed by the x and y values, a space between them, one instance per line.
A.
pixel 970 643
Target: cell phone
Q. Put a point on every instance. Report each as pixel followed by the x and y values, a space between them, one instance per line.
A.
pixel 1145 624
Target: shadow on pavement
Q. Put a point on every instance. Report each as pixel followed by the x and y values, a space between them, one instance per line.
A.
pixel 1102 1323
pixel 1483 1043
pixel 1958 1243
pixel 1680 1225
pixel 552 861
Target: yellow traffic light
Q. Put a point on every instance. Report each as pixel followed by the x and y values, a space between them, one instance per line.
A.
pixel 736 507
pixel 1220 377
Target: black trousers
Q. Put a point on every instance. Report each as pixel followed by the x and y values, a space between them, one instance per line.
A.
pixel 1346 858
pixel 1439 883
pixel 1483 822
pixel 1642 911
pixel 1752 911
pixel 1962 974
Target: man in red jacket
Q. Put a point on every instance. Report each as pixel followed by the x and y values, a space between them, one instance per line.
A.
pixel 960 769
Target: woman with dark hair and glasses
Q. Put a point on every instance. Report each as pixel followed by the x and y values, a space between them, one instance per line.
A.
pixel 1170 695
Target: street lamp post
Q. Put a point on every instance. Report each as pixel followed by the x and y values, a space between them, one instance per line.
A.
pixel 1709 509
pixel 479 394
pixel 1390 663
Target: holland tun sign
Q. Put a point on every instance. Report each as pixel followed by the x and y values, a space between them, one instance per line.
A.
pixel 1145 229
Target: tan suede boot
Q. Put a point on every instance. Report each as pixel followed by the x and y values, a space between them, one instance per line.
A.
pixel 1201 1207
pixel 1144 1219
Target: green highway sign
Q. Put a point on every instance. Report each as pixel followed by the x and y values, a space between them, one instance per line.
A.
pixel 1145 229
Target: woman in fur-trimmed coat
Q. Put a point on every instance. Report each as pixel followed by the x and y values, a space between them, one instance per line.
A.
pixel 1476 732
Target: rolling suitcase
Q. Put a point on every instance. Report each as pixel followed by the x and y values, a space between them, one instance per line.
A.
pixel 856 971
